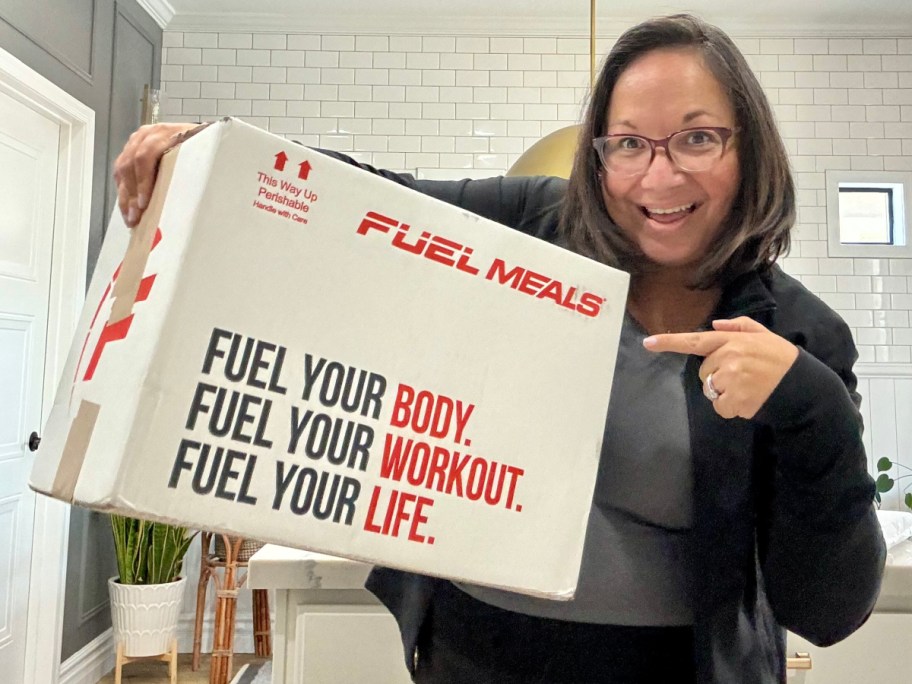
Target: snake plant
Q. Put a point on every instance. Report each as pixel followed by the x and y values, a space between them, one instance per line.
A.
pixel 149 552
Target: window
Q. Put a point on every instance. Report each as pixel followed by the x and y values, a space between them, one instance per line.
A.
pixel 866 213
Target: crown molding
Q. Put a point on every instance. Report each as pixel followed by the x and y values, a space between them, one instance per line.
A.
pixel 384 25
pixel 160 11
pixel 558 26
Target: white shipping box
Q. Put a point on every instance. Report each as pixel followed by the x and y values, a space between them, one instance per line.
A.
pixel 295 350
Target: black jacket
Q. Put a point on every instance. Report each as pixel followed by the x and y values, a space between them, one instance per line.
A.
pixel 785 531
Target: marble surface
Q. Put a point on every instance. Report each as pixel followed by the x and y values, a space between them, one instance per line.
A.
pixel 280 567
pixel 896 591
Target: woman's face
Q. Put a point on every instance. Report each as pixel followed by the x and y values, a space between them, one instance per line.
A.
pixel 660 93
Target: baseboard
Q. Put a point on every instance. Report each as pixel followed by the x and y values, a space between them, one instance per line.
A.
pixel 96 659
pixel 90 663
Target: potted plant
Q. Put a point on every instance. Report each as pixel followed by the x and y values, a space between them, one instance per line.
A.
pixel 146 597
pixel 885 482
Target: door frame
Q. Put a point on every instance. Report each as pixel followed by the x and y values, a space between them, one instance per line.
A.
pixel 67 294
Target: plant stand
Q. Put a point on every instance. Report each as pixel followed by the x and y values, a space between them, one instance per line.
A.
pixel 170 657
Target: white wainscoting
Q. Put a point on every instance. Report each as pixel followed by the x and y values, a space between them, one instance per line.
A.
pixel 886 391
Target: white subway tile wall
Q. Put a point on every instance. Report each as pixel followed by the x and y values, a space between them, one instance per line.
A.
pixel 475 103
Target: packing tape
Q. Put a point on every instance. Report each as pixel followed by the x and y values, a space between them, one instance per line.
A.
pixel 125 290
pixel 74 449
pixel 134 261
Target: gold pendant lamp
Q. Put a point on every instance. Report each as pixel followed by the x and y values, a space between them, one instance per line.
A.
pixel 553 154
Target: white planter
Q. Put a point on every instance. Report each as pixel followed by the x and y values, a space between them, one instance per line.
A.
pixel 145 616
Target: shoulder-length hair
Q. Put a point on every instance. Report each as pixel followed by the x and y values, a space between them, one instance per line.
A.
pixel 762 215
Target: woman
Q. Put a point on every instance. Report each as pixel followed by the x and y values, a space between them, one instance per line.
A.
pixel 733 499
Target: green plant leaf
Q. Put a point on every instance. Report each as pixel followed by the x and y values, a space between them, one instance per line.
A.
pixel 908 500
pixel 119 528
pixel 884 483
pixel 147 552
pixel 877 498
pixel 143 549
pixel 884 464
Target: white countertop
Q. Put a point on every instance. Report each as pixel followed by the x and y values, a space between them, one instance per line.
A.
pixel 896 592
pixel 280 567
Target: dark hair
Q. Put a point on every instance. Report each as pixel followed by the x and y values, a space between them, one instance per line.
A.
pixel 764 210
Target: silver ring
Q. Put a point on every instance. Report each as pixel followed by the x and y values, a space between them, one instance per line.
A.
pixel 709 389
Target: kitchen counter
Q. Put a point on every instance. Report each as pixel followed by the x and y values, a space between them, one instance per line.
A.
pixel 330 630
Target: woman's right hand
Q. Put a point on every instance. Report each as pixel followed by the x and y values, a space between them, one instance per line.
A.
pixel 137 165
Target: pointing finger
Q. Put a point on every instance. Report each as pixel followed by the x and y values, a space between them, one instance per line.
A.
pixel 699 343
pixel 740 324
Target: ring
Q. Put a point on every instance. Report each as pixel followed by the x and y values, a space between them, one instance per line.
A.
pixel 709 389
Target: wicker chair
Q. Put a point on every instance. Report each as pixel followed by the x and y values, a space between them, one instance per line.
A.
pixel 230 554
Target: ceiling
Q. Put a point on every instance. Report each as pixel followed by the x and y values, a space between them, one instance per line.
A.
pixel 557 17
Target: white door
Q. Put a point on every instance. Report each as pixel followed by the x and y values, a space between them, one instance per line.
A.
pixel 28 177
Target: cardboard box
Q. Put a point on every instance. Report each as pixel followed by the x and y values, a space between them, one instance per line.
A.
pixel 294 350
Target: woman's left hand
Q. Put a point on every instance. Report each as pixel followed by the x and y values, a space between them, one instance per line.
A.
pixel 746 361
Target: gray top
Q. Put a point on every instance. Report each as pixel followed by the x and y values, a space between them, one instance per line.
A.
pixel 634 568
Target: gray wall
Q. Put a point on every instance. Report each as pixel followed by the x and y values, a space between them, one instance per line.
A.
pixel 102 52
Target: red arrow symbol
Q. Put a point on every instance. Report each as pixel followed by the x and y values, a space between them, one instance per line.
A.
pixel 304 170
pixel 281 158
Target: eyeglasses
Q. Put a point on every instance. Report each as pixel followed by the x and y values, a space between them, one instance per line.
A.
pixel 692 149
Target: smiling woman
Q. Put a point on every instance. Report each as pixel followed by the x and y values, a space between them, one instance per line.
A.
pixel 712 527
pixel 671 203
